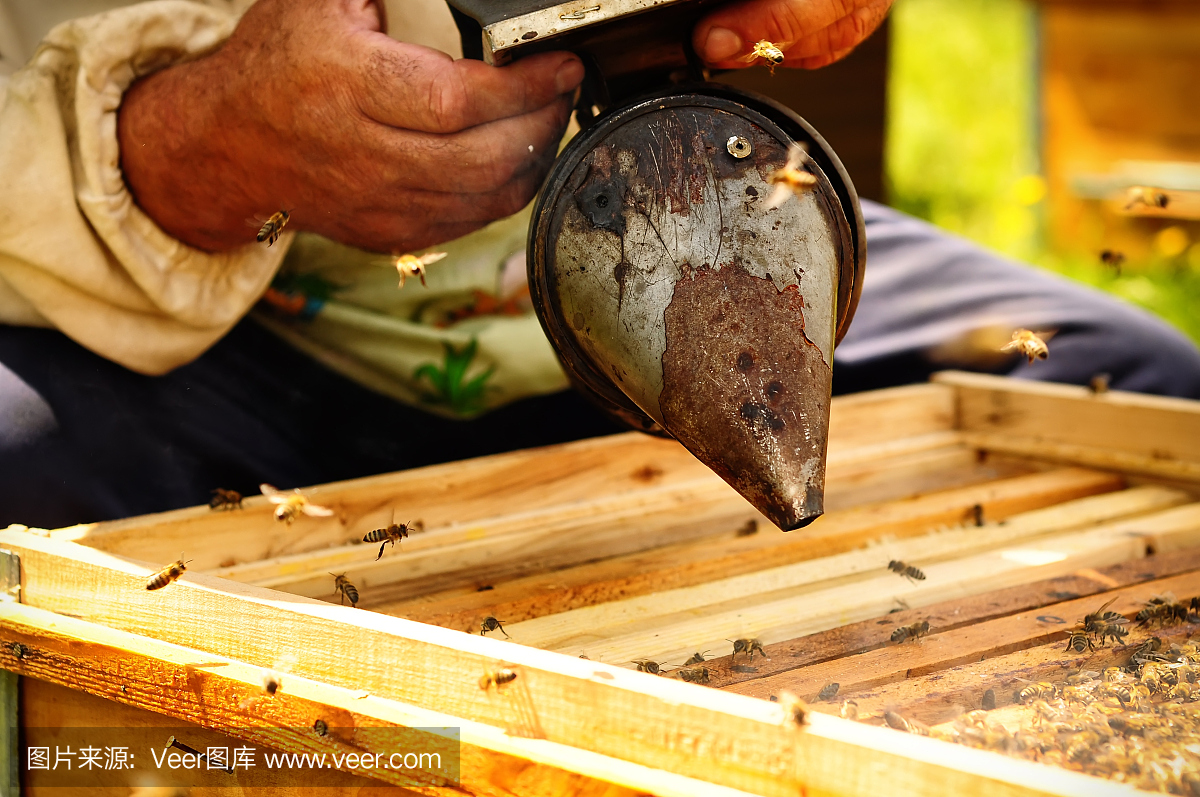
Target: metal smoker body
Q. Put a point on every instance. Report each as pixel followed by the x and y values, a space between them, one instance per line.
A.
pixel 674 297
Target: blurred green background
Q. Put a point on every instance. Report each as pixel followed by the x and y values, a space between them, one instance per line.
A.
pixel 962 148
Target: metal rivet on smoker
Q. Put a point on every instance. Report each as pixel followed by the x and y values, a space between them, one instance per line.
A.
pixel 738 147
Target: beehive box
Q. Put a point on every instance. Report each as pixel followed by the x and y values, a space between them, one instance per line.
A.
pixel 1025 505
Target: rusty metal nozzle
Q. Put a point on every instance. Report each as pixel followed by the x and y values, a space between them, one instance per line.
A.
pixel 687 296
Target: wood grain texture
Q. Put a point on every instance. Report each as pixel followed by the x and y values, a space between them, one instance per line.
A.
pixel 210 691
pixel 875 633
pixel 961 645
pixel 696 563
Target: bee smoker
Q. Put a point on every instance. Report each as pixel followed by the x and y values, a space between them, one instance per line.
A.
pixel 677 297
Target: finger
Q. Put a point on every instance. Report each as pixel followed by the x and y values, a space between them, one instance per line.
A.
pixel 840 38
pixel 416 88
pixel 476 160
pixel 724 37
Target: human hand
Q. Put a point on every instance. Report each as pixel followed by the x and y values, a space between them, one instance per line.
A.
pixel 811 33
pixel 309 107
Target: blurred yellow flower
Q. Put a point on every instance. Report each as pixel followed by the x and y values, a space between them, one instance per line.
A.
pixel 1171 242
pixel 1030 189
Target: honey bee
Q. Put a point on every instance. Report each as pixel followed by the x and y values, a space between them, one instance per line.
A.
pixel 272 228
pixel 392 533
pixel 1091 621
pixel 894 720
pixel 497 679
pixel 1079 640
pixel 791 180
pixel 849 709
pixel 414 265
pixel 1028 344
pixel 1164 610
pixel 747 646
pixel 271 683
pixel 989 700
pixel 349 591
pixel 168 574
pixel 1180 691
pixel 1114 629
pixel 1039 691
pixel 828 691
pixel 697 658
pixel 289 506
pixel 1076 694
pixel 907 632
pixel 747 529
pixel 768 52
pixel 1099 383
pixel 1113 259
pixel 795 710
pixel 225 499
pixel 652 667
pixel 1150 678
pixel 1143 195
pixel 696 675
pixel 906 570
pixel 491 624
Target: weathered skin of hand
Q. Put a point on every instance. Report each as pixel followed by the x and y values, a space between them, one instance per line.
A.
pixel 309 107
pixel 811 33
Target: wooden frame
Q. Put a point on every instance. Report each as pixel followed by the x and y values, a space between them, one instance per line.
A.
pixel 621 535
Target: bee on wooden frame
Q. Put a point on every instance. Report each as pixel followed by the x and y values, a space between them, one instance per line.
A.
pixel 1092 621
pixel 1164 610
pixel 289 506
pixel 392 533
pixel 414 265
pixel 225 499
pixel 768 52
pixel 795 710
pixel 747 646
pixel 1029 344
pixel 791 180
pixel 1099 383
pixel 491 624
pixel 652 667
pixel 1042 690
pixel 849 709
pixel 168 574
pixel 696 658
pixel 828 692
pixel 913 631
pixel 906 570
pixel 1079 640
pixel 496 678
pixel 349 591
pixel 696 675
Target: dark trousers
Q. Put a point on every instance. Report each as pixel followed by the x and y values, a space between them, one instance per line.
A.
pixel 82 439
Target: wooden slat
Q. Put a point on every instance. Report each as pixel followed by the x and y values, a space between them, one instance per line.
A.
pixel 1091 456
pixel 876 632
pixel 961 645
pixel 942 695
pixel 682 729
pixel 795 580
pixel 696 563
pixel 818 610
pixel 1128 426
pixel 205 689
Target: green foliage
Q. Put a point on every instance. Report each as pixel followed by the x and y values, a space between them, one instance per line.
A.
pixel 962 146
pixel 307 284
pixel 447 381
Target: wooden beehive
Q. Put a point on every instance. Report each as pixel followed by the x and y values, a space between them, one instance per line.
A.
pixel 1026 505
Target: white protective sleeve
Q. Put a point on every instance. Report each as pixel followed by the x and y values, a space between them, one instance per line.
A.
pixel 76 253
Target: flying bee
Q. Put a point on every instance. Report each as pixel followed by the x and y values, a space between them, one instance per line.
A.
pixel 828 691
pixel 1143 195
pixel 289 506
pixel 791 180
pixel 849 709
pixel 1079 640
pixel 795 710
pixel 652 667
pixel 696 675
pixel 907 632
pixel 697 658
pixel 747 646
pixel 225 499
pixel 392 533
pixel 497 679
pixel 906 570
pixel 768 52
pixel 1039 691
pixel 349 591
pixel 272 228
pixel 491 624
pixel 168 574
pixel 1028 344
pixel 414 265
pixel 1113 259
